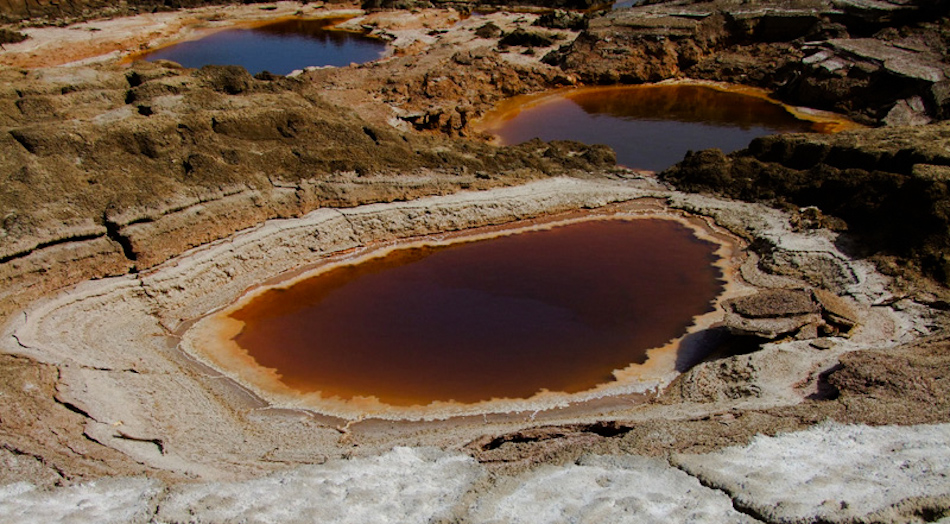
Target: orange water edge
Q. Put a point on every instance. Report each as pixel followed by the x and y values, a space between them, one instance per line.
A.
pixel 211 339
pixel 332 18
pixel 508 109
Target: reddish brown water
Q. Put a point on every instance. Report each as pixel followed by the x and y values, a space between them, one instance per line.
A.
pixel 652 127
pixel 505 318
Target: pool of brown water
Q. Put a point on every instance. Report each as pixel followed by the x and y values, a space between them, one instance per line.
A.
pixel 650 127
pixel 558 309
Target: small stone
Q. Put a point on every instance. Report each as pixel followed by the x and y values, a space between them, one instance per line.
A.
pixel 835 310
pixel 807 332
pixel 822 344
pixel 520 37
pixel 774 303
pixel 489 30
pixel 909 112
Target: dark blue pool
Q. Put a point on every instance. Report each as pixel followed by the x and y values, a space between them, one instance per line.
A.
pixel 280 47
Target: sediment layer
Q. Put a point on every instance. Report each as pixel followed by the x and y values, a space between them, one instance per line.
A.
pixel 887 187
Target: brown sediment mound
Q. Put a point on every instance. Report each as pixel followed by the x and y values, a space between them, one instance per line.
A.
pixel 49 12
pixel 9 36
pixel 481 5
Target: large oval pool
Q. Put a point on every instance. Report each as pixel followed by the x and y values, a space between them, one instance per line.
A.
pixel 550 310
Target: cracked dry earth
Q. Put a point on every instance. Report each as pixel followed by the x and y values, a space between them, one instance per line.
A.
pixel 122 228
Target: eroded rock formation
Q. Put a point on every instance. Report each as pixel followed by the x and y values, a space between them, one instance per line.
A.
pixel 888 185
pixel 122 169
pixel 803 314
pixel 875 61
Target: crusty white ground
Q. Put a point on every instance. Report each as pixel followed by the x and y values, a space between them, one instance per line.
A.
pixel 106 501
pixel 832 472
pixel 606 489
pixel 403 485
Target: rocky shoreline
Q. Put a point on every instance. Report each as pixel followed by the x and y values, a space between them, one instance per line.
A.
pixel 139 197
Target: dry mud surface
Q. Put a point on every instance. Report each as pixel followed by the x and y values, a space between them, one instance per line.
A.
pixel 139 198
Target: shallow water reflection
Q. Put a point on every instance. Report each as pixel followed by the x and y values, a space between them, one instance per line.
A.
pixel 279 47
pixel 626 3
pixel 651 127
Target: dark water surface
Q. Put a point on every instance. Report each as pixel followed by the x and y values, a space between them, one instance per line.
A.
pixel 557 309
pixel 280 47
pixel 652 127
pixel 626 3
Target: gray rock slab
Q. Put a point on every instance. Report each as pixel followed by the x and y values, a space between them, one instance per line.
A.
pixel 606 489
pixel 898 61
pixel 830 473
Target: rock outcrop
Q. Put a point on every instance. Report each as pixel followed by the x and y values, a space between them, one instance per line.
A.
pixel 801 314
pixel 124 169
pixel 889 185
pixel 56 11
pixel 111 171
pixel 879 62
pixel 74 10
pixel 470 5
